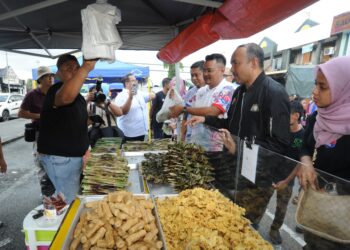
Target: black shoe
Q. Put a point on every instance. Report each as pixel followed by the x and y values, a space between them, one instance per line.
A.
pixel 275 237
pixel 1 224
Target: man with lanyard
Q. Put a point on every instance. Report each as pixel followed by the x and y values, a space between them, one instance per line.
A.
pixel 134 121
pixel 197 77
pixel 30 109
pixel 259 112
pixel 63 135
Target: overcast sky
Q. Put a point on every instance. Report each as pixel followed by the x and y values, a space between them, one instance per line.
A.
pixel 321 12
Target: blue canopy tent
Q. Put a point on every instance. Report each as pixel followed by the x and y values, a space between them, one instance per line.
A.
pixel 109 72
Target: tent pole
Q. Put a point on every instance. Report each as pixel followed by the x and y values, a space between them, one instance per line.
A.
pixel 177 87
pixel 149 111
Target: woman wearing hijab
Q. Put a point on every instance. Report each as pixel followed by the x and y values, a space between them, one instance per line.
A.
pixel 328 135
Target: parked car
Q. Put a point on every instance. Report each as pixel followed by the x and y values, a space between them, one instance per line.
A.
pixel 9 105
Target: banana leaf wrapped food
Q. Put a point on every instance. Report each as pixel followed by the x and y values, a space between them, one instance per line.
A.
pixel 104 174
pixel 183 166
pixel 154 145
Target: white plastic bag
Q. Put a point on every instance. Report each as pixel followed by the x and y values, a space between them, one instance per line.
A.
pixel 175 99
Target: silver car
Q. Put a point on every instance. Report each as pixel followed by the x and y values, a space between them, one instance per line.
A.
pixel 9 105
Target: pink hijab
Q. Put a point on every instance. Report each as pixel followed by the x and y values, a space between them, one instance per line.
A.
pixel 333 121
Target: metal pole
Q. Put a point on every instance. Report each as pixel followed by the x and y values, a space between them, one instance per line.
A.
pixel 177 87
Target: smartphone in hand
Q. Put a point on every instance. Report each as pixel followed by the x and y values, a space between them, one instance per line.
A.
pixel 134 89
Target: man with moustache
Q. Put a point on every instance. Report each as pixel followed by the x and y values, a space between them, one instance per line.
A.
pixel 198 80
pixel 212 99
pixel 260 113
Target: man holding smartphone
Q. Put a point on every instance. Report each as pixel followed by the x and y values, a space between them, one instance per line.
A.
pixel 133 122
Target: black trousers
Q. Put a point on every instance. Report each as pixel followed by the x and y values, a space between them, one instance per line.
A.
pixel 137 138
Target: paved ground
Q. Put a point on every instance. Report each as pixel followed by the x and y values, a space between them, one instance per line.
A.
pixel 291 239
pixel 19 193
pixel 12 129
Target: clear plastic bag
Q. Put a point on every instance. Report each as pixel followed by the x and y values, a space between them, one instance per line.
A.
pixel 172 98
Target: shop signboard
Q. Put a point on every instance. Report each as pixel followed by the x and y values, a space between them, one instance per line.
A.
pixel 341 23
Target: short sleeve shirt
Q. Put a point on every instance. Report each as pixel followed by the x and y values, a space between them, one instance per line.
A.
pixel 219 97
pixel 135 122
pixel 33 101
pixel 63 130
pixel 190 98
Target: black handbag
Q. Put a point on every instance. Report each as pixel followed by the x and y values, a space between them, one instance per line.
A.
pixel 30 132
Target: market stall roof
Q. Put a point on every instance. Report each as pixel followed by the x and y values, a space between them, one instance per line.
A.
pixel 145 25
pixel 233 20
pixel 56 24
pixel 111 72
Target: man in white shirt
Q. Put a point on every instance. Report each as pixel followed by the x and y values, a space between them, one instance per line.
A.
pixel 134 122
pixel 197 77
pixel 213 99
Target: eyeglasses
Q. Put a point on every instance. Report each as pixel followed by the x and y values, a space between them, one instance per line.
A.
pixel 227 75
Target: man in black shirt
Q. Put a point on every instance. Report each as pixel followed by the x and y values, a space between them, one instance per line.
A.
pixel 63 138
pixel 260 112
pixel 157 104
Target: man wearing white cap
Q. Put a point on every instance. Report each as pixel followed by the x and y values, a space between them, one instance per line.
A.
pixel 30 109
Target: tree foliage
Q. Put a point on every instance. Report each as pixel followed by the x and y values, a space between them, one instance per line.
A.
pixel 171 69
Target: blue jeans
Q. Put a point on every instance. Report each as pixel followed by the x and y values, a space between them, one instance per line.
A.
pixel 64 172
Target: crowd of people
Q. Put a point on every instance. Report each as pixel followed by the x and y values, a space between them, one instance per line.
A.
pixel 224 103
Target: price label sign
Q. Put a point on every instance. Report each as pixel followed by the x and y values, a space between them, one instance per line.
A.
pixel 249 162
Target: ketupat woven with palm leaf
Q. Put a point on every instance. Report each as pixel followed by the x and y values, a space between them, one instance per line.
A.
pixel 205 219
pixel 184 166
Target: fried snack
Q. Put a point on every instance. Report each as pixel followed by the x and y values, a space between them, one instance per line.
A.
pixel 124 208
pixel 118 221
pixel 138 246
pixel 128 224
pixel 120 243
pixel 150 235
pixel 205 219
pixel 96 226
pixel 92 204
pixel 106 210
pixel 99 235
pixel 137 227
pixel 75 243
pixel 135 237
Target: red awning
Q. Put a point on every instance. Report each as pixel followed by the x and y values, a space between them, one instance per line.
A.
pixel 234 19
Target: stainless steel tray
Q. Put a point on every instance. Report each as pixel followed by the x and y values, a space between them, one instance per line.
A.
pixel 136 183
pixel 84 199
pixel 160 189
pixel 154 188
